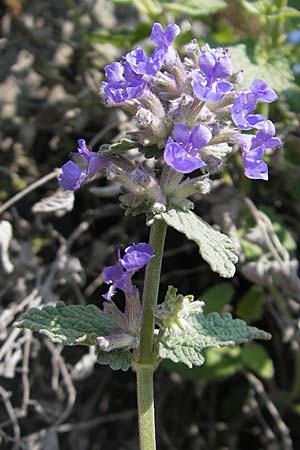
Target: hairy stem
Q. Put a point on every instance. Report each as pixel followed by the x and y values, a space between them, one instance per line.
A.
pixel 146 365
pixel 150 293
pixel 144 376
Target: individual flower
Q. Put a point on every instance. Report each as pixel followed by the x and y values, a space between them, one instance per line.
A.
pixel 210 85
pixel 254 147
pixel 72 176
pixel 141 64
pixel 122 83
pixel 245 103
pixel 182 153
pixel 119 276
pixel 164 54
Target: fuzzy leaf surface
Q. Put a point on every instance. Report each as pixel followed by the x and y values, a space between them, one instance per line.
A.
pixel 187 345
pixel 274 68
pixel 215 248
pixel 68 325
pixel 61 200
pixel 119 359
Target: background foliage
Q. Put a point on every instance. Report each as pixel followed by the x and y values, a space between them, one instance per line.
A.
pixel 53 54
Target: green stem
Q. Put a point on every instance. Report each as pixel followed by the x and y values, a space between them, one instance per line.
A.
pixel 150 292
pixel 144 376
pixel 146 365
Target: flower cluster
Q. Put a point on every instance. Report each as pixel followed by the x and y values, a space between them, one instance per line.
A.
pixel 190 110
pixel 184 107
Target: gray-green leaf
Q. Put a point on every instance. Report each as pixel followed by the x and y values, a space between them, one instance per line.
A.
pixel 216 248
pixel 116 359
pixel 68 325
pixel 186 345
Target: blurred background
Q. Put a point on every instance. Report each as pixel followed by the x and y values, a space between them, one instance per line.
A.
pixel 54 247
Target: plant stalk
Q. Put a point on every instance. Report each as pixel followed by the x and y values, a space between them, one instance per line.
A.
pixel 150 292
pixel 146 365
pixel 145 397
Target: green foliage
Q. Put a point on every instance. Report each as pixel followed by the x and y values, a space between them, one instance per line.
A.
pixel 119 359
pixel 176 309
pixel 256 358
pixel 251 306
pixel 201 332
pixel 215 248
pixel 225 362
pixel 119 147
pixel 191 8
pixel 219 363
pixel 194 8
pixel 284 235
pixel 273 67
pixel 251 250
pixel 217 297
pixel 68 325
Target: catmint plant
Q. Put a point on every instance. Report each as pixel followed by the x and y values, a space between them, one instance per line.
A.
pixel 189 114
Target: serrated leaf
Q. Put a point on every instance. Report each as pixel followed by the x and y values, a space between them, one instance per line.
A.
pixel 116 359
pixel 187 345
pixel 68 325
pixel 215 248
pixel 60 200
pixel 276 71
pixel 255 357
pixel 220 363
pixel 251 305
pixel 217 297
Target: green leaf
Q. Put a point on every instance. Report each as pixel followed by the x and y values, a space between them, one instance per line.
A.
pixel 256 358
pixel 217 297
pixel 119 147
pixel 251 251
pixel 68 325
pixel 187 345
pixel 220 363
pixel 273 68
pixel 116 359
pixel 285 12
pixel 251 305
pixel 194 8
pixel 215 248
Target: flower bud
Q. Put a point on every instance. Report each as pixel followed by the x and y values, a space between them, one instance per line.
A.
pixel 109 343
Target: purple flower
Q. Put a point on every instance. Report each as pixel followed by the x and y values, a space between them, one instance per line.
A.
pixel 140 63
pixel 182 155
pixel 119 275
pixel 122 82
pixel 245 103
pixel 72 176
pixel 254 147
pixel 164 54
pixel 211 85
